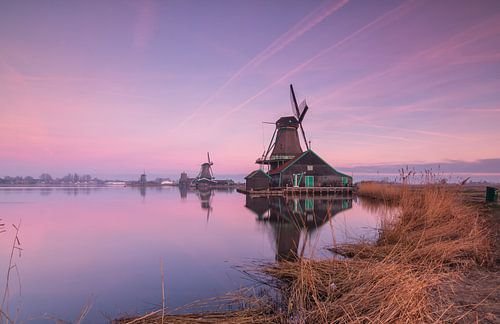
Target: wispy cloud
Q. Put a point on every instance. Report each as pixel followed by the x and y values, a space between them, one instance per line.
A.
pixel 398 138
pixel 416 131
pixel 395 13
pixel 303 26
pixel 483 166
pixel 441 55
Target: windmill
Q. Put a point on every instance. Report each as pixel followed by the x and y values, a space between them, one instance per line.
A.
pixel 285 142
pixel 206 170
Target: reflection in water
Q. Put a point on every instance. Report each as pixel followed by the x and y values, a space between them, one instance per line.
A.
pixel 204 195
pixel 376 207
pixel 114 229
pixel 206 200
pixel 74 191
pixel 183 190
pixel 45 191
pixel 289 217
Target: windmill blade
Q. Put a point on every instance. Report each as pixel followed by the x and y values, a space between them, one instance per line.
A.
pixel 302 106
pixel 304 135
pixel 304 110
pixel 271 145
pixel 209 162
pixel 293 99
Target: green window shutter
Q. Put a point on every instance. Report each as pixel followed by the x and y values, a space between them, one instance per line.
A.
pixel 309 181
pixel 309 204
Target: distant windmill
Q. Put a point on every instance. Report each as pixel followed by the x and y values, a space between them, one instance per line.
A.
pixel 206 170
pixel 285 143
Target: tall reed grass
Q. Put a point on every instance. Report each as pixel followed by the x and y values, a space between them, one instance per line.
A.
pixel 405 275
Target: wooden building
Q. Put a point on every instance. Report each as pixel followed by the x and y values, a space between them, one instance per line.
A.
pixel 308 170
pixel 257 180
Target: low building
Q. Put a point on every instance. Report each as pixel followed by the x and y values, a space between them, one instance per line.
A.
pixel 257 180
pixel 308 170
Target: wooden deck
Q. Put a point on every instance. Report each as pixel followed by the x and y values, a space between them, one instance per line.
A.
pixel 300 191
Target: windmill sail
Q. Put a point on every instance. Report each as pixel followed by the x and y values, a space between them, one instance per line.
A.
pixel 293 99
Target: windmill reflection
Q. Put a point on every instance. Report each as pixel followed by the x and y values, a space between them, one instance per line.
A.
pixel 204 195
pixel 288 218
pixel 183 190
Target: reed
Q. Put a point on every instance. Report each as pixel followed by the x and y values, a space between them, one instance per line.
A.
pixel 434 225
pixel 357 291
pixel 386 192
pixel 240 307
pixel 4 306
pixel 421 252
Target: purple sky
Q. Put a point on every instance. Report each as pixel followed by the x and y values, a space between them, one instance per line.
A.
pixel 112 87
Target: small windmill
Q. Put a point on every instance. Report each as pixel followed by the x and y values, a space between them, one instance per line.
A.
pixel 206 170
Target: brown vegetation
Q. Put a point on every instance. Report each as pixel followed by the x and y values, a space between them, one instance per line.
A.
pixel 406 275
pixel 434 226
pixel 381 191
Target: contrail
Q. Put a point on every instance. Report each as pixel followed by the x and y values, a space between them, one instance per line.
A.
pixel 417 131
pixel 315 57
pixel 399 138
pixel 304 25
pixel 477 32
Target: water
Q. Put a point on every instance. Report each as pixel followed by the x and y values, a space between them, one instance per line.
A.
pixel 104 245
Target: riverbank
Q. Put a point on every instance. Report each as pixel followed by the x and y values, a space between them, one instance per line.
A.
pixel 435 260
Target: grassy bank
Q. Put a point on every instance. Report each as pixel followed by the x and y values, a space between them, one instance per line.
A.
pixel 422 256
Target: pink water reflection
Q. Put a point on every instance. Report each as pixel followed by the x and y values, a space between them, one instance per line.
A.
pixel 107 243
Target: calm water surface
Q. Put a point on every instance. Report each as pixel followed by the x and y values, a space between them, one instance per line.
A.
pixel 105 245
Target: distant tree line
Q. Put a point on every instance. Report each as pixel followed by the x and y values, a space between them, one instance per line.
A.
pixel 47 179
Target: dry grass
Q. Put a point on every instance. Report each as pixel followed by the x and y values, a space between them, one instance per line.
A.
pixel 381 191
pixel 404 277
pixel 357 291
pixel 434 226
pixel 238 317
pixel 420 253
pixel 240 307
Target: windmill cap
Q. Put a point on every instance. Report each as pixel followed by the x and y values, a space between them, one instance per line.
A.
pixel 288 121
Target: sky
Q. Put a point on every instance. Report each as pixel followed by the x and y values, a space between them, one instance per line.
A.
pixel 115 87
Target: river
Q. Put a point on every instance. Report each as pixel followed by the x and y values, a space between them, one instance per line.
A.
pixel 103 247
